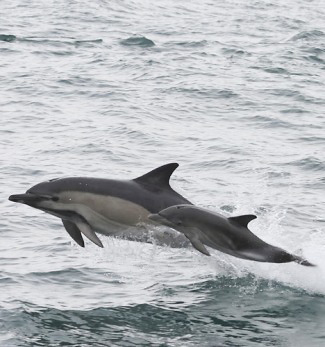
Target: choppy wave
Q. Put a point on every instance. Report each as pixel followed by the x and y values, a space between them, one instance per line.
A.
pixel 308 35
pixel 173 324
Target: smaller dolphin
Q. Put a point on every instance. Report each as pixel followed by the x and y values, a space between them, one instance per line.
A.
pixel 228 235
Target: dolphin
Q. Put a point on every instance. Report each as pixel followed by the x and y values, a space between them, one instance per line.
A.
pixel 228 235
pixel 107 206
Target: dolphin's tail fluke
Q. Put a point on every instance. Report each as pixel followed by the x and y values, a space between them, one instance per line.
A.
pixel 282 256
pixel 302 261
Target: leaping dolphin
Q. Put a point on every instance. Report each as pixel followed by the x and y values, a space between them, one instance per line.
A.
pixel 228 235
pixel 106 206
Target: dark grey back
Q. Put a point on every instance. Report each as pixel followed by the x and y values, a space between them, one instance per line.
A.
pixel 152 190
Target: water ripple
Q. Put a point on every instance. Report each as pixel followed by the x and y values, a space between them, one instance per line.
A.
pixel 139 41
pixel 7 38
pixel 308 35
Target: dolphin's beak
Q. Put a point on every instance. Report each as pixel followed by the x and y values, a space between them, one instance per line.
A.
pixel 28 198
pixel 159 219
pixel 155 217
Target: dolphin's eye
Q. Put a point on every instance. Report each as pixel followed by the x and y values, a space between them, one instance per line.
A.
pixel 179 223
pixel 55 198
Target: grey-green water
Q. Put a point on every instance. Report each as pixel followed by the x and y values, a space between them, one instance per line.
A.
pixel 234 92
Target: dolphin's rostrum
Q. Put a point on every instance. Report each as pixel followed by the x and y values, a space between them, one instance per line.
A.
pixel 106 206
pixel 228 235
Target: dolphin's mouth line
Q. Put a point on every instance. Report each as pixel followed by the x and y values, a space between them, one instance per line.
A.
pixel 27 198
pixel 31 199
pixel 159 219
pixel 155 217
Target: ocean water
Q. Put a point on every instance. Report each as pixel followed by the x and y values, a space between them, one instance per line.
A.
pixel 234 92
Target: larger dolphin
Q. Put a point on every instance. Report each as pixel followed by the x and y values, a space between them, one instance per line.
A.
pixel 106 206
pixel 229 235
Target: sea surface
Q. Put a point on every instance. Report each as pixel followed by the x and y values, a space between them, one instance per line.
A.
pixel 234 91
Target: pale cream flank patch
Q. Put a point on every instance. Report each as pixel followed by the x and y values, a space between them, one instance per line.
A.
pixel 100 210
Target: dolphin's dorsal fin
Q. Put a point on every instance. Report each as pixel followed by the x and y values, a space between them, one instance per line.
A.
pixel 159 176
pixel 243 220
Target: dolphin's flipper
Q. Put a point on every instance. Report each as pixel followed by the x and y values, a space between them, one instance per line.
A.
pixel 74 232
pixel 197 244
pixel 193 236
pixel 243 220
pixel 89 233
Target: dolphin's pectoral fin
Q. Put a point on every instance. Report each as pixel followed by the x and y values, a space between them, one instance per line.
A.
pixel 89 233
pixel 196 242
pixel 242 220
pixel 75 229
pixel 74 232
